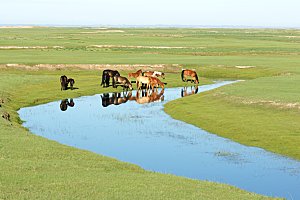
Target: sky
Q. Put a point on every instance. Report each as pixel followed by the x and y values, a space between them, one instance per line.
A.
pixel 253 13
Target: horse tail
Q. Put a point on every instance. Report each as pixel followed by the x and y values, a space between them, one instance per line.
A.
pixel 103 75
pixel 196 76
pixel 182 75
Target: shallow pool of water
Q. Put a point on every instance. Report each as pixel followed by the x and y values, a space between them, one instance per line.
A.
pixel 134 128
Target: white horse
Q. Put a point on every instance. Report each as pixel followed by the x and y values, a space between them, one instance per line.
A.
pixel 157 74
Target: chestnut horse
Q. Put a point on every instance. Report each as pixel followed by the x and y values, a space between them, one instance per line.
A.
pixel 135 75
pixel 187 72
pixel 155 82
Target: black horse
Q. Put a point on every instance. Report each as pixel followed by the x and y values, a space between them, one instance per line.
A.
pixel 72 82
pixel 63 82
pixel 105 80
pixel 106 75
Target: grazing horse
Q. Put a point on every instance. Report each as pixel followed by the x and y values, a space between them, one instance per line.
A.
pixel 140 80
pixel 134 75
pixel 63 82
pixel 108 74
pixel 187 72
pixel 184 91
pixel 123 81
pixel 71 81
pixel 155 82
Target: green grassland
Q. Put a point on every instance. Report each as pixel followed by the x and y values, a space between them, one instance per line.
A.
pixel 261 111
pixel 35 168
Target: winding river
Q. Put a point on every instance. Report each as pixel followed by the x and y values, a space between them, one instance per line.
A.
pixel 134 128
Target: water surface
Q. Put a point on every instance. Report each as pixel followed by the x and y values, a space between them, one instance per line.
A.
pixel 137 130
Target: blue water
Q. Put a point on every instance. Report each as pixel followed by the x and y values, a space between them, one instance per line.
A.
pixel 145 135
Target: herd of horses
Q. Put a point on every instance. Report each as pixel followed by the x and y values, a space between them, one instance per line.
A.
pixel 144 80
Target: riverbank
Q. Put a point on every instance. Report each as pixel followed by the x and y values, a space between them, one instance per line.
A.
pixel 263 112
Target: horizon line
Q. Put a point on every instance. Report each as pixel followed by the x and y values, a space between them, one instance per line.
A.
pixel 152 26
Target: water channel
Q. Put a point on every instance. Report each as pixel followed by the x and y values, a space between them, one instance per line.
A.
pixel 133 127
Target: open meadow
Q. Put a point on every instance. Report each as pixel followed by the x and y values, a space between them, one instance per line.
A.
pixel 262 111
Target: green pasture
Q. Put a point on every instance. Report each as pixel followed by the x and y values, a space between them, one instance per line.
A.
pixel 35 168
pixel 261 111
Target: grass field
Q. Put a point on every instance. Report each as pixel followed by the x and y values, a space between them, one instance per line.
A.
pixel 36 168
pixel 261 111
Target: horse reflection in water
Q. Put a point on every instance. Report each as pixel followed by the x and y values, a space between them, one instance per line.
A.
pixel 141 97
pixel 65 104
pixel 115 98
pixel 148 96
pixel 185 92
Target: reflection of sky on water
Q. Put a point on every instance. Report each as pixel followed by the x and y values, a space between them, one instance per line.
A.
pixel 144 135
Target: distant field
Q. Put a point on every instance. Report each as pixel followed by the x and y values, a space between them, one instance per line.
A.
pixel 277 49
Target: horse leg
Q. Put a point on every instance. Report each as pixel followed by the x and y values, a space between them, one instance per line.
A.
pixel 114 82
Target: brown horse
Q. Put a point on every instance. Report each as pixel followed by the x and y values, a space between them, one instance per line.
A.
pixel 123 81
pixel 155 82
pixel 187 72
pixel 135 75
pixel 148 73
